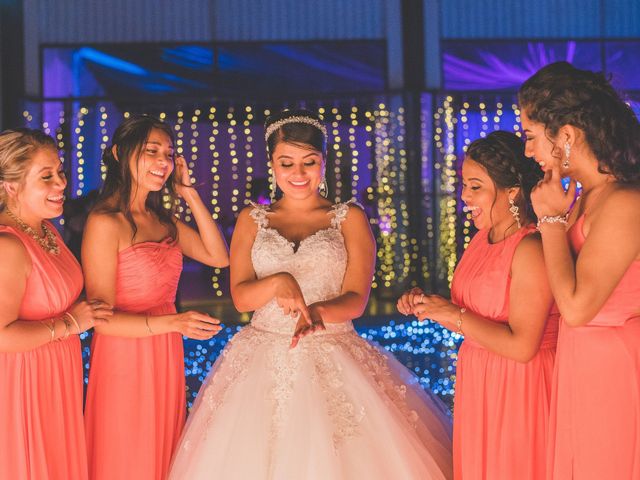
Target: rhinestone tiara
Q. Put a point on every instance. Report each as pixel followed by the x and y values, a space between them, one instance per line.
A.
pixel 297 119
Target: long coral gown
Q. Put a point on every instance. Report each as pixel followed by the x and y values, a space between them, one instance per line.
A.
pixel 595 415
pixel 501 406
pixel 136 398
pixel 335 407
pixel 41 430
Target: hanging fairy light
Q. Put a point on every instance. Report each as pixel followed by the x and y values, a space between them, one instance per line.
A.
pixel 80 161
pixel 235 161
pixel 193 154
pixel 179 151
pixel 248 151
pixel 497 118
pixel 427 189
pixel 463 119
pixel 387 218
pixel 27 117
pixel 355 173
pixel 267 112
pixel 60 134
pixel 335 131
pixel 516 124
pixel 104 138
pixel 445 142
pixel 215 185
pixel 406 248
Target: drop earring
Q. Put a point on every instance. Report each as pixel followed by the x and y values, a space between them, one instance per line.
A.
pixel 567 153
pixel 322 188
pixel 514 210
pixel 274 186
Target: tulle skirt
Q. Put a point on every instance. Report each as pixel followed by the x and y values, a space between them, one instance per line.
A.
pixel 335 407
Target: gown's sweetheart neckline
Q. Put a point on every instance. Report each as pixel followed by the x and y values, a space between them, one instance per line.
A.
pixel 296 247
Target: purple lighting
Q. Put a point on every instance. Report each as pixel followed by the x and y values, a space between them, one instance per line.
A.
pixel 504 66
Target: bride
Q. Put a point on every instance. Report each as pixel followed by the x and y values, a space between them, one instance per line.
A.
pixel 298 394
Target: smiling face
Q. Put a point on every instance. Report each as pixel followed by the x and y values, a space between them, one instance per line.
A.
pixel 538 146
pixel 489 206
pixel 152 165
pixel 298 170
pixel 40 194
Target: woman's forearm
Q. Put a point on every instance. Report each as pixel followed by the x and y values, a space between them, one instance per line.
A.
pixel 343 308
pixel 250 295
pixel 210 235
pixel 498 337
pixel 25 335
pixel 136 325
pixel 561 271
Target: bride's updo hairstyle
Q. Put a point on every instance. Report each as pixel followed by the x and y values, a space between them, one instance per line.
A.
pixel 301 128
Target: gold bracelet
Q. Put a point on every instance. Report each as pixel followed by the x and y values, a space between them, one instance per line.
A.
pixel 75 322
pixel 459 321
pixel 146 321
pixel 51 327
pixel 67 324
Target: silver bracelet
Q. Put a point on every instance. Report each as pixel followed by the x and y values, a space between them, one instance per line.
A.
pixel 552 219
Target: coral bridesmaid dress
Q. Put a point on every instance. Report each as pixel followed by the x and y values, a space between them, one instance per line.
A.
pixel 501 406
pixel 136 395
pixel 41 431
pixel 595 415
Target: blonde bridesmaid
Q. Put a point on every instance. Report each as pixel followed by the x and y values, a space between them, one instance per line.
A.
pixel 501 303
pixel 577 126
pixel 41 431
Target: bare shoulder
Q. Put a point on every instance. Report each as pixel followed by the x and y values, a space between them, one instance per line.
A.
pixel 246 217
pixel 356 224
pixel 529 251
pixel 106 228
pixel 108 222
pixel 246 223
pixel 15 257
pixel 355 215
pixel 11 245
pixel 530 242
pixel 625 198
pixel 619 212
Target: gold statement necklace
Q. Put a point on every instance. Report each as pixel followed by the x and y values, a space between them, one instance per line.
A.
pixel 47 241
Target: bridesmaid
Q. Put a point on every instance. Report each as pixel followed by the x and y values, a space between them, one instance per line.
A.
pixel 132 256
pixel 41 431
pixel 501 303
pixel 577 126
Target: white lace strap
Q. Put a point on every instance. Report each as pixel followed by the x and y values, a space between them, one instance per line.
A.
pixel 259 214
pixel 340 211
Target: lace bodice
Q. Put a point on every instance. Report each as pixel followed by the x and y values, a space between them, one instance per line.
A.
pixel 318 264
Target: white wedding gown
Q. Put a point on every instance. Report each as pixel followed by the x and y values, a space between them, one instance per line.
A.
pixel 334 407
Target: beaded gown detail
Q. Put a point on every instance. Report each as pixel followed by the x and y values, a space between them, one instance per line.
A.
pixel 334 407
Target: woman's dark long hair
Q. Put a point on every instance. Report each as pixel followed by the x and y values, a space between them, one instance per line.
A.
pixel 119 187
pixel 560 94
pixel 502 156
